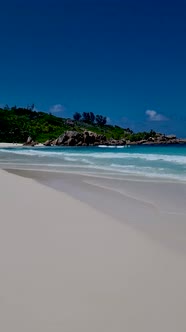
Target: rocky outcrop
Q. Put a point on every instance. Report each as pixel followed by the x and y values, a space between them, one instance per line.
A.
pixel 159 139
pixel 68 138
pixel 170 137
pixel 48 142
pixel 74 138
pixel 30 142
pixel 114 142
pixel 89 138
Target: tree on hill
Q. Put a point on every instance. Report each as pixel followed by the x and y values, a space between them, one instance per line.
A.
pixel 77 116
pixel 101 120
pixel 92 117
pixel 88 117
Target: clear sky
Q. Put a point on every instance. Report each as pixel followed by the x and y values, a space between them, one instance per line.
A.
pixel 123 59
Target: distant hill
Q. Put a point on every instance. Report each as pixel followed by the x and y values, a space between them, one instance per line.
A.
pixel 17 123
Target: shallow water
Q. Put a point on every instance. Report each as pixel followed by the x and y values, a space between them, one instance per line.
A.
pixel 166 162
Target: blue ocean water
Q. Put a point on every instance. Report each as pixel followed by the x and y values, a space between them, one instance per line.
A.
pixel 164 161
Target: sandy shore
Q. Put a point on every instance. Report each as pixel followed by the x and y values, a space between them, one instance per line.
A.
pixel 69 266
pixel 10 145
pixel 14 145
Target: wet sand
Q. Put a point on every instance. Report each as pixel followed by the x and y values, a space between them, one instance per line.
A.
pixel 153 207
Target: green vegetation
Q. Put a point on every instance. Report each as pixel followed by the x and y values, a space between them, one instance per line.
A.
pixel 17 123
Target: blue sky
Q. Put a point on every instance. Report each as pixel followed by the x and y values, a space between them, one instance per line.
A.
pixel 123 59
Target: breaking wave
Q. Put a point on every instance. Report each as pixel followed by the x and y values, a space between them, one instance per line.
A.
pixel 151 162
pixel 179 159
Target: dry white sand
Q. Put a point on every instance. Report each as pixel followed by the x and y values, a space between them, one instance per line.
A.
pixel 67 267
pixel 10 145
pixel 14 145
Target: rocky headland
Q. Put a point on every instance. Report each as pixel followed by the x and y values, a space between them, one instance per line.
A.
pixel 89 138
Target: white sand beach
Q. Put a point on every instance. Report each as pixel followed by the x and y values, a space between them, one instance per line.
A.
pixel 10 145
pixel 66 266
pixel 14 145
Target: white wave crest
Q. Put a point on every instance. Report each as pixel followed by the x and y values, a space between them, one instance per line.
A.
pixel 176 159
pixel 70 159
pixel 114 146
pixel 86 161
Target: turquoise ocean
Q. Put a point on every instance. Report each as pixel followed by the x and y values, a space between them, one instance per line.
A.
pixel 164 161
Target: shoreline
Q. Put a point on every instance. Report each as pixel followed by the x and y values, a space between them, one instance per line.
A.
pixel 10 145
pixel 14 145
pixel 182 142
pixel 143 200
pixel 92 173
pixel 101 175
pixel 146 164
